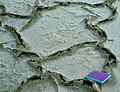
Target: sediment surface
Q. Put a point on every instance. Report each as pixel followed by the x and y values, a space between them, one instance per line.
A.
pixel 50 45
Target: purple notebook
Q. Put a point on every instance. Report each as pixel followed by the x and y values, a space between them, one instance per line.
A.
pixel 97 76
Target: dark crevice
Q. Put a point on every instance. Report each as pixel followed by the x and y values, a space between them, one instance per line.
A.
pixel 90 11
pixel 101 33
pixel 4 13
pixel 20 52
pixel 17 35
pixel 112 16
pixel 68 50
pixel 111 61
pixel 2 7
pixel 16 16
pixel 31 21
pixel 30 79
pixel 67 3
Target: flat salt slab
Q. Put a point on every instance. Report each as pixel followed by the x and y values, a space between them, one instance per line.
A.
pixel 97 76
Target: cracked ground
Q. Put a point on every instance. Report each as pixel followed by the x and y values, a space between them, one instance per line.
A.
pixel 50 45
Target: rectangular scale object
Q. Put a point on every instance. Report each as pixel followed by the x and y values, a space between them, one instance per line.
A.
pixel 97 76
